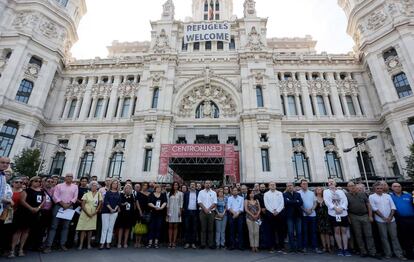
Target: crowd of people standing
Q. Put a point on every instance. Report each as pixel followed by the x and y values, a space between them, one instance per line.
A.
pixel 349 221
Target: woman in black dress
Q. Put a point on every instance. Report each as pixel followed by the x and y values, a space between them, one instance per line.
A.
pixel 157 203
pixel 126 217
pixel 27 215
pixel 143 214
pixel 324 224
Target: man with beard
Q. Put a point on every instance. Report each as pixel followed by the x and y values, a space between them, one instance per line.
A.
pixel 263 226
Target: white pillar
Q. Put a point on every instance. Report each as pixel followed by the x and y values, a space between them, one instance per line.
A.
pixel 131 106
pixel 356 105
pixel 93 108
pixel 298 105
pixel 336 103
pixel 120 105
pixel 66 110
pixel 315 105
pixel 327 104
pixel 286 101
pixel 77 108
pixel 345 104
pixel 105 105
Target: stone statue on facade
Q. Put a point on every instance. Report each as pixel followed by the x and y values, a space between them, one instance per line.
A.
pixel 255 42
pixel 249 8
pixel 207 109
pixel 161 43
pixel 168 10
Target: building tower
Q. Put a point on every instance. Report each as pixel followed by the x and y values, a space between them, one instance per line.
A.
pixel 204 10
pixel 384 39
pixel 36 37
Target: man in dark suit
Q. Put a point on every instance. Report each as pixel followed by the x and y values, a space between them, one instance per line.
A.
pixel 190 216
pixel 293 211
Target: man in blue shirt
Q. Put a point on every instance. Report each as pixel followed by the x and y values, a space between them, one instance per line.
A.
pixel 235 208
pixel 405 218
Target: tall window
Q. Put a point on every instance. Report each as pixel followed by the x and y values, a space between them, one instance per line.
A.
pixel 57 164
pixel 292 106
pixel 232 45
pixel 220 45
pixel 196 46
pixel 155 95
pixel 125 107
pixel 115 164
pixel 7 136
pixel 411 127
pixel 72 108
pixel 321 105
pixel 207 109
pixel 24 92
pixel 208 45
pixel 86 163
pixel 332 161
pixel 99 108
pixel 282 99
pixel 217 5
pixel 369 167
pixel 300 161
pixel 265 160
pixel 402 85
pixel 259 96
pixel 350 105
pixel 147 160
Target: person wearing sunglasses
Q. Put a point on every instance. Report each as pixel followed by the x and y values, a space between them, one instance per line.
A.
pixel 27 215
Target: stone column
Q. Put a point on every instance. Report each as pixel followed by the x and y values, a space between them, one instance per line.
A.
pixel 298 105
pixel 78 107
pixel 66 109
pixel 336 103
pixel 356 104
pixel 105 105
pixel 120 105
pixel 93 108
pixel 327 104
pixel 345 105
pixel 286 105
pixel 113 98
pixel 131 106
pixel 315 105
pixel 86 102
pixel 305 96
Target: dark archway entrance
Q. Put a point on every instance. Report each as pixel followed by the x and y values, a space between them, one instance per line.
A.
pixel 198 169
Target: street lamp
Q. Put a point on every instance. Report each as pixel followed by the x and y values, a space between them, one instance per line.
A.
pixel 358 145
pixel 44 151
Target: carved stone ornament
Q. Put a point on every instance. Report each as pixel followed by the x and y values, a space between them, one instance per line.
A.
pixel 101 90
pixel 156 80
pixel 259 77
pixel 127 89
pixel 197 95
pixel 319 87
pixel 75 90
pixel 299 149
pixel 393 64
pixel 249 8
pixel 88 149
pixel 39 23
pixel 168 10
pixel 376 20
pixel 161 43
pixel 49 29
pixel 32 72
pixel 331 149
pixel 254 40
pixel 118 149
pixel 290 87
pixel 347 87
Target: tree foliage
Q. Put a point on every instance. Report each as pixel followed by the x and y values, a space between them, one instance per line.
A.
pixel 27 163
pixel 410 162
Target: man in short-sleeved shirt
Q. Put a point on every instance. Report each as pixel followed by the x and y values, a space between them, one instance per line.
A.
pixel 207 200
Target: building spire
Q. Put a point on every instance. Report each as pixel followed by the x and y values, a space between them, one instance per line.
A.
pixel 168 10
pixel 249 8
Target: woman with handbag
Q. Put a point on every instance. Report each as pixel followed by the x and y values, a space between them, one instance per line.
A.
pixel 27 213
pixel 126 217
pixel 143 214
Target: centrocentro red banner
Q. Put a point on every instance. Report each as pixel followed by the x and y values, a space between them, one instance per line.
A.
pixel 197 150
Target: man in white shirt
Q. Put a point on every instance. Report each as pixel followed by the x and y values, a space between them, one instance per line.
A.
pixel 274 204
pixel 384 208
pixel 235 208
pixel 337 204
pixel 207 200
pixel 309 217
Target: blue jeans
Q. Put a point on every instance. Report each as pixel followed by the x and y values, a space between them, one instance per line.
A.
pixel 309 229
pixel 221 231
pixel 295 225
pixel 155 227
pixel 236 229
pixel 55 224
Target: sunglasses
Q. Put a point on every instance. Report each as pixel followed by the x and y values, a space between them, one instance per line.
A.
pixel 18 182
pixel 8 163
pixel 36 181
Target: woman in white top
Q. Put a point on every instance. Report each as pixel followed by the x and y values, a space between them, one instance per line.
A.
pixel 337 204
pixel 174 211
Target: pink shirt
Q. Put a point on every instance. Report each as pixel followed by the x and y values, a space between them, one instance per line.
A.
pixel 48 203
pixel 66 194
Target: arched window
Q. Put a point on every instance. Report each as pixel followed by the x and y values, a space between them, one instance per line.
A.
pixel 36 61
pixel 99 107
pixel 155 96
pixel 7 136
pixel 206 6
pixel 217 5
pixel 300 162
pixel 207 109
pixel 402 85
pixel 321 105
pixel 57 164
pixel 115 165
pixel 220 45
pixel 333 164
pixel 24 92
pixel 369 167
pixel 390 53
pixel 125 107
pixel 350 105
pixel 86 163
pixel 259 96
pixel 292 106
pixel 72 108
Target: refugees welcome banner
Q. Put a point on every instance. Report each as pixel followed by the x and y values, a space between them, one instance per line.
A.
pixel 207 31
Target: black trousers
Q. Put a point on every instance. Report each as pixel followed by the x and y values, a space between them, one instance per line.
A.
pixel 190 226
pixel 405 226
pixel 276 231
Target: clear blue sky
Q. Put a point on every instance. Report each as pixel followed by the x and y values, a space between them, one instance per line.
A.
pixel 128 20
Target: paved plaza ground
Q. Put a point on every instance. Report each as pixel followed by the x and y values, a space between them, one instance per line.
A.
pixel 179 254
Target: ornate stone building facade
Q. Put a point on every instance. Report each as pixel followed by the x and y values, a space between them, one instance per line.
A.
pixel 289 111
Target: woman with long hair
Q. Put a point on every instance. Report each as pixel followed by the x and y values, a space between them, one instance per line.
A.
pixel 174 212
pixel 221 219
pixel 324 225
pixel 91 205
pixel 27 214
pixel 157 203
pixel 110 213
pixel 253 209
pixel 143 214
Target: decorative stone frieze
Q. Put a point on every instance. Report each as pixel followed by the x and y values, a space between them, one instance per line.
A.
pixel 290 87
pixel 319 87
pixel 101 90
pixel 255 42
pixel 347 87
pixel 75 90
